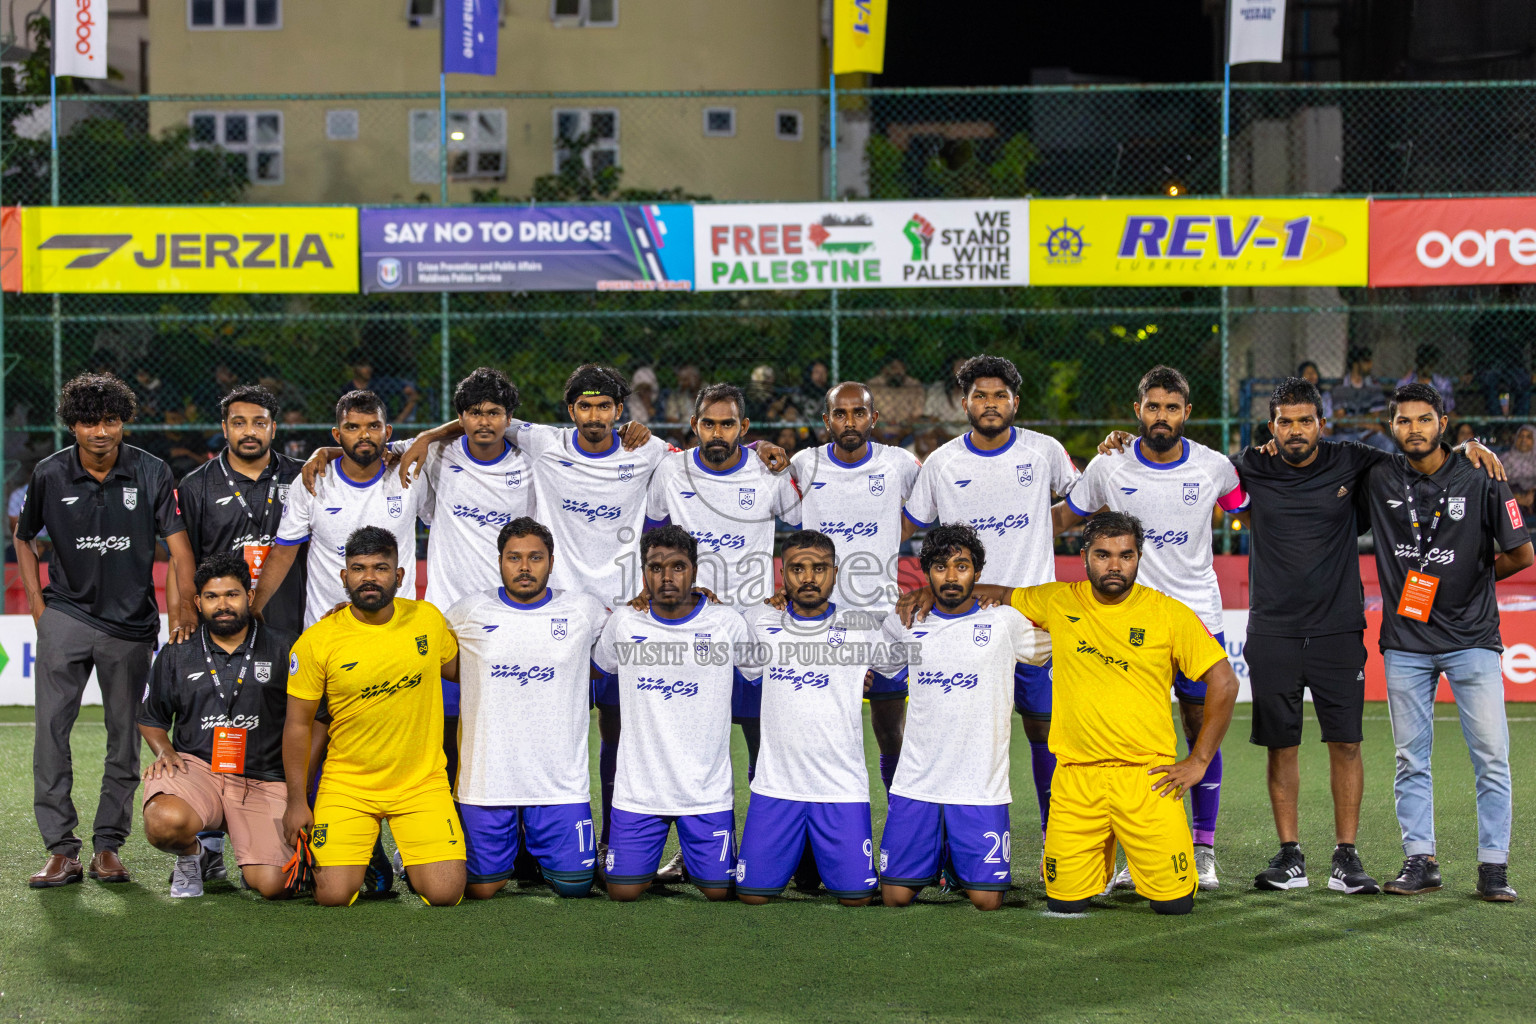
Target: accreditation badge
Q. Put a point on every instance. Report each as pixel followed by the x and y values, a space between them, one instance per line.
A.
pixel 229 750
pixel 255 558
pixel 1418 596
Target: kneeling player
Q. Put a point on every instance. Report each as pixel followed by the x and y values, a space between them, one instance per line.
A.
pixel 674 669
pixel 812 782
pixel 379 666
pixel 1117 647
pixel 222 766
pixel 525 656
pixel 949 799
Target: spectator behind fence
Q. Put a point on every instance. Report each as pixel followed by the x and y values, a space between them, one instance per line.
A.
pixel 1358 402
pixel 765 401
pixel 208 393
pixel 1426 363
pixel 1307 371
pixel 1520 464
pixel 811 394
pixel 899 396
pixel 944 401
pixel 642 403
pixel 677 401
pixel 1501 359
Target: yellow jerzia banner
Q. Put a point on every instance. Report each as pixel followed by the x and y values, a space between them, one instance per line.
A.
pixel 858 36
pixel 189 249
pixel 1151 242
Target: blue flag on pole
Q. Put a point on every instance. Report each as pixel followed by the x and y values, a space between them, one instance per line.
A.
pixel 469 37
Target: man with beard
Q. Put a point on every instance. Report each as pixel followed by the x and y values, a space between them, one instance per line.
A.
pixel 1117 646
pixel 1444 534
pixel 1173 484
pixel 676 666
pixel 359 493
pixel 812 784
pixel 213 717
pixel 525 671
pixel 948 809
pixel 852 491
pixel 379 666
pixel 999 478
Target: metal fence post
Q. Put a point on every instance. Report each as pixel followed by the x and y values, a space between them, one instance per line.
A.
pixel 53 188
pixel 1226 312
pixel 442 187
pixel 835 360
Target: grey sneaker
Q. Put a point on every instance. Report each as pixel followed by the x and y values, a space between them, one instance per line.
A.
pixel 1205 867
pixel 213 859
pixel 187 876
pixel 671 872
pixel 1122 880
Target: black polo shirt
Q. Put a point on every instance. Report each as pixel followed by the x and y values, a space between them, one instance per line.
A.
pixel 101 568
pixel 217 522
pixel 181 691
pixel 1303 559
pixel 1479 519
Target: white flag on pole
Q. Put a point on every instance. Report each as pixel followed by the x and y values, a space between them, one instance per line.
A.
pixel 1256 32
pixel 80 38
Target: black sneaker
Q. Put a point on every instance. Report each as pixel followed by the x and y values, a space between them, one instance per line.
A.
pixel 1493 883
pixel 1421 873
pixel 1287 870
pixel 1348 874
pixel 379 876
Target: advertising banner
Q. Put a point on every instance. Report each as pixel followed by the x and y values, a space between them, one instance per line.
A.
pixel 858 36
pixel 1202 242
pixel 528 249
pixel 190 249
pixel 470 33
pixel 1453 241
pixel 80 34
pixel 10 248
pixel 910 243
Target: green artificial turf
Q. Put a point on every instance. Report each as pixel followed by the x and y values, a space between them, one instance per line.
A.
pixel 96 952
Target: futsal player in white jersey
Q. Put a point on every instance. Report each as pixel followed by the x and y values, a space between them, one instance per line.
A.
pixel 358 492
pixel 852 489
pixel 812 782
pixel 525 657
pixel 675 666
pixel 998 478
pixel 1173 485
pixel 948 810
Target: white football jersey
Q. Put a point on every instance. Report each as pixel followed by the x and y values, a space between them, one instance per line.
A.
pixel 1005 495
pixel 594 505
pixel 812 673
pixel 525 681
pixel 960 686
pixel 858 505
pixel 469 502
pixel 675 680
pixel 1175 502
pixel 731 514
pixel 328 517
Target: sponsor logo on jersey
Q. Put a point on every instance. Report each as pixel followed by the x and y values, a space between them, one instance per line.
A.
pixel 1176 538
pixel 666 687
pixel 196 675
pixel 391 687
pixel 720 542
pixel 491 518
pixel 948 681
pixel 524 676
pixel 981 634
pixel 1084 647
pixel 1513 508
pixel 225 501
pixel 626 472
pixel 1456 508
pixel 421 645
pixel 130 497
pixel 1191 494
pixel 349 666
pixel 335 510
pixel 238 722
pixel 1341 492
pixel 837 636
pixel 1437 555
pixel 70 501
pixel 962 483
pixel 687 494
pixel 1025 473
pixel 293 663
pixel 491 629
pixel 848 531
pixel 591 513
pixel 263 671
pixel 746 497
pixel 101 545
pixel 1128 490
pixel 1138 636
pixel 396 506
pixel 1000 524
pixel 877 484
pixel 557 628
pixel 799 680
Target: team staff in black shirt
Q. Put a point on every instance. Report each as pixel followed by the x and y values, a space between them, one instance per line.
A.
pixel 1444 534
pixel 103 503
pixel 225 692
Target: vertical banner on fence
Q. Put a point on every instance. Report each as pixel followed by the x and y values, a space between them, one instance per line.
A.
pixel 80 38
pixel 1256 32
pixel 10 248
pixel 470 36
pixel 858 36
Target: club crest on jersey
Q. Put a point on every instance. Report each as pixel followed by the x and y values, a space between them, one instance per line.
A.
pixel 317 836
pixel 836 636
pixel 1138 636
pixel 557 628
pixel 515 478
pixel 747 497
pixel 130 497
pixel 981 635
pixel 1191 494
pixel 877 484
pixel 396 506
pixel 263 671
pixel 627 472
pixel 421 645
pixel 701 645
pixel 1456 508
pixel 1025 473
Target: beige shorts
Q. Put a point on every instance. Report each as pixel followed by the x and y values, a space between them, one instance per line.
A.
pixel 249 810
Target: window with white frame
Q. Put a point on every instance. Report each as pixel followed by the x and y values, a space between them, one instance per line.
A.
pixel 477 145
pixel 585 13
pixel 341 125
pixel 600 128
pixel 257 134
pixel 789 125
pixel 720 122
pixel 215 14
pixel 422 12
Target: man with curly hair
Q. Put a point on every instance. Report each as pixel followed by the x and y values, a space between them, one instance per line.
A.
pixel 104 505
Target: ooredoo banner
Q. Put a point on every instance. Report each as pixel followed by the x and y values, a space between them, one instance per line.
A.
pixel 910 243
pixel 10 248
pixel 538 249
pixel 1453 241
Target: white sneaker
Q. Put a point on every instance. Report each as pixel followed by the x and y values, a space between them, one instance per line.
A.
pixel 1205 867
pixel 1122 880
pixel 671 872
pixel 187 876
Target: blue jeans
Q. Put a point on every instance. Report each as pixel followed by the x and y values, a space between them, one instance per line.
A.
pixel 1477 683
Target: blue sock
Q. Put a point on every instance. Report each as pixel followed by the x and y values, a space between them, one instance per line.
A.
pixel 1205 803
pixel 607 768
pixel 888 769
pixel 1044 763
